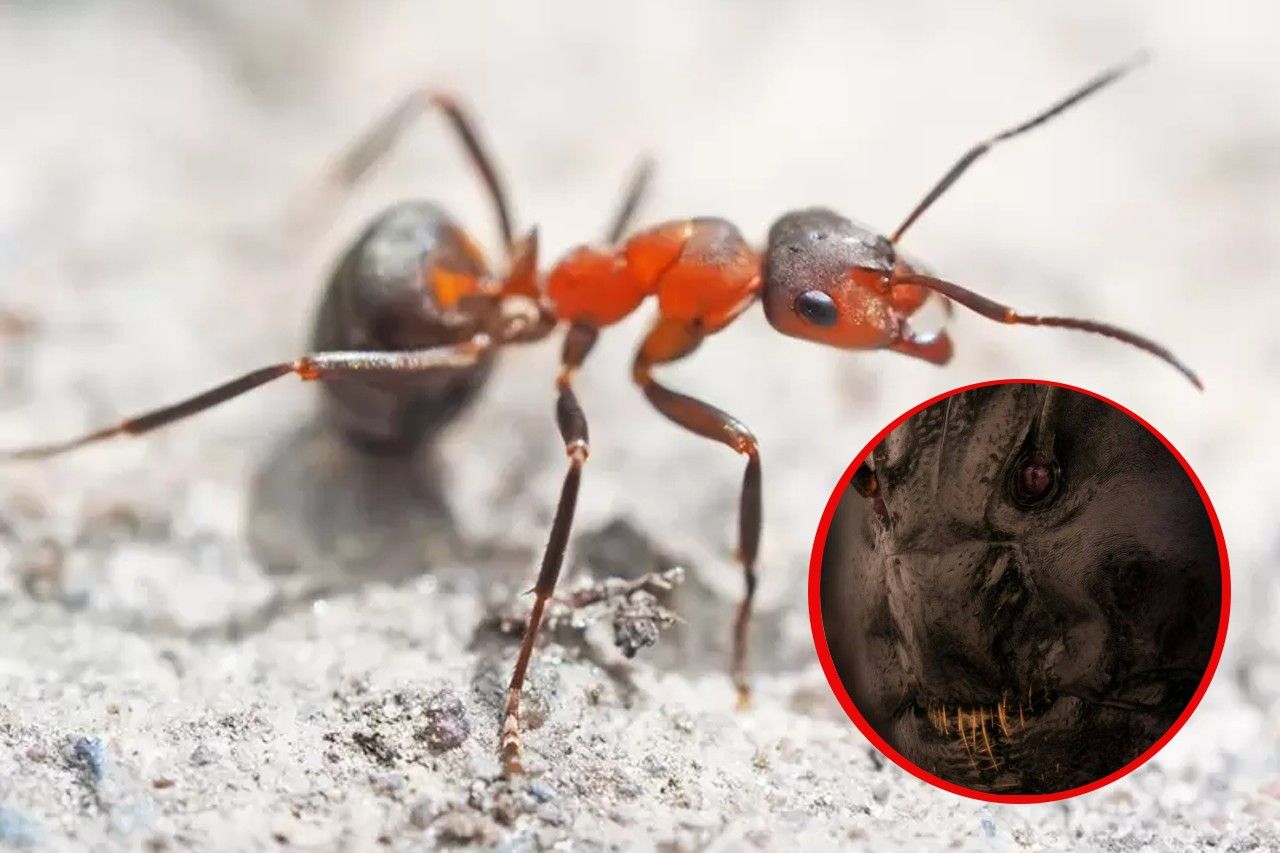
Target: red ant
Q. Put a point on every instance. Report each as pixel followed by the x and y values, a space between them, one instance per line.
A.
pixel 414 305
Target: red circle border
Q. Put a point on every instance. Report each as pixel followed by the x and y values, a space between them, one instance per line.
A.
pixel 842 695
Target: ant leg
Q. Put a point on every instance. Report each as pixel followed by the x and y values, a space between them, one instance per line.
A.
pixel 973 154
pixel 573 430
pixel 636 189
pixel 322 366
pixel 1004 314
pixel 371 146
pixel 668 341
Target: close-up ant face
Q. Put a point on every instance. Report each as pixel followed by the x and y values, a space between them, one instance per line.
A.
pixel 1026 590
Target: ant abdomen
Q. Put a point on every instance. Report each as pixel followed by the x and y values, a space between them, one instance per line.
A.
pixel 378 298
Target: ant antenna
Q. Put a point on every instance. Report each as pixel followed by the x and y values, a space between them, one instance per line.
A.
pixel 993 310
pixel 637 186
pixel 974 153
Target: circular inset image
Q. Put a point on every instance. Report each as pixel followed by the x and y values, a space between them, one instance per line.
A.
pixel 1019 591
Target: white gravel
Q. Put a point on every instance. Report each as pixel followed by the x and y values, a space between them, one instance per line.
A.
pixel 220 637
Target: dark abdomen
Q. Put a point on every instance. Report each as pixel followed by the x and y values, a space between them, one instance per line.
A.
pixel 377 299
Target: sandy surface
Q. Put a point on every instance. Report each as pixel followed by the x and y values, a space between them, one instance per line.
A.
pixel 238 635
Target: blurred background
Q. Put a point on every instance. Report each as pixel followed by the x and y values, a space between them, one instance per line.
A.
pixel 149 158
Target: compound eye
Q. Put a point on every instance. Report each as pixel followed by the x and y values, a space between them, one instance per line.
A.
pixel 1035 480
pixel 817 308
pixel 864 481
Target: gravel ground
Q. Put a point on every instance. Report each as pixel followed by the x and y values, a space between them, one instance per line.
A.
pixel 238 634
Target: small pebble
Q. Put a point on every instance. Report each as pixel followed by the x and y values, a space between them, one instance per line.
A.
pixel 89 753
pixel 446 722
pixel 203 755
pixel 542 793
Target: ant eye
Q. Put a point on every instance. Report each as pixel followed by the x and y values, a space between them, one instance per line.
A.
pixel 1034 480
pixel 864 481
pixel 816 307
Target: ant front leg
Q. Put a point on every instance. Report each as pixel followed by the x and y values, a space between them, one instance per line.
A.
pixel 573 430
pixel 386 367
pixel 669 341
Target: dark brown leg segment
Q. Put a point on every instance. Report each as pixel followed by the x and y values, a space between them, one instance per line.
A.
pixel 669 341
pixel 374 143
pixel 322 366
pixel 573 430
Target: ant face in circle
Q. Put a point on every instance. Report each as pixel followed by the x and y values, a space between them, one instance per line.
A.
pixel 1024 576
pixel 826 279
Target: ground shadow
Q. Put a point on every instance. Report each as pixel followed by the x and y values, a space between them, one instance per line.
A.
pixel 326 517
pixel 321 507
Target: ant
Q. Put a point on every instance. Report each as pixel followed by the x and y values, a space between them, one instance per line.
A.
pixel 414 307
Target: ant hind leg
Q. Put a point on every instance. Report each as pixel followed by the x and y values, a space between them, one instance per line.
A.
pixel 371 146
pixel 668 341
pixel 573 430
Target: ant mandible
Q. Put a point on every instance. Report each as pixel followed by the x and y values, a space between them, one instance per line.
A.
pixel 821 277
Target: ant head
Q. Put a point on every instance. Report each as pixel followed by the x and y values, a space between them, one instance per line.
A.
pixel 827 279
